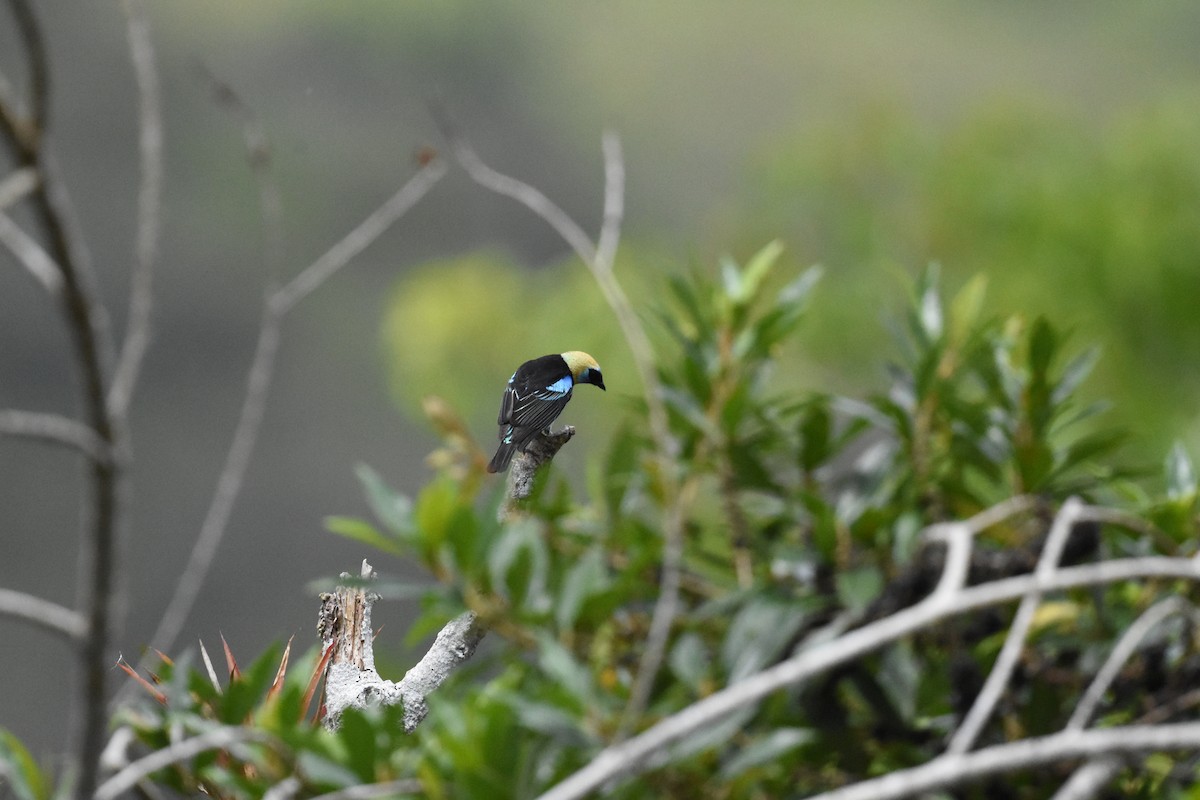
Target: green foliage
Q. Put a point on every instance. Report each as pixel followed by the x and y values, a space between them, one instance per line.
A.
pixel 1098 228
pixel 798 509
pixel 20 774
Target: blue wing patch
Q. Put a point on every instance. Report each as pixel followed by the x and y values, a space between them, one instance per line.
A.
pixel 560 387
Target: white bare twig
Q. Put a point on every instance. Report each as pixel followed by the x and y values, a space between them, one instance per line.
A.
pixel 352 681
pixel 960 539
pixel 17 186
pixel 455 643
pixel 36 261
pixel 630 757
pixel 599 258
pixel 43 613
pixel 56 429
pixel 218 738
pixel 368 791
pixel 1088 780
pixel 959 768
pixel 1014 642
pixel 150 152
pixel 245 437
pixel 1150 619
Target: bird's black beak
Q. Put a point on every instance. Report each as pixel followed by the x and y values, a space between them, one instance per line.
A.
pixel 598 379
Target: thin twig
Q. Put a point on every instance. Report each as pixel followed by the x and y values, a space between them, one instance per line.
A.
pixel 629 758
pixel 358 239
pixel 956 769
pixel 85 322
pixel 368 791
pixel 43 614
pixel 150 155
pixel 1014 642
pixel 36 261
pixel 599 258
pixel 30 34
pixel 17 186
pixel 216 739
pixel 1150 619
pixel 245 436
pixel 1092 777
pixel 56 429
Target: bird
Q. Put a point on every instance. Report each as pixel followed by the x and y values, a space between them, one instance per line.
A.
pixel 534 397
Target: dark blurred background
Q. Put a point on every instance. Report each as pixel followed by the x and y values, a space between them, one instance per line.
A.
pixel 1051 147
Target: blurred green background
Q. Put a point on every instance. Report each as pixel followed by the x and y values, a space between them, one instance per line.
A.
pixel 1052 147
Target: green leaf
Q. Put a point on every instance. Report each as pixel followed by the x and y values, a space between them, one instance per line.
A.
pixel 551 720
pixel 857 588
pixel 586 578
pixel 758 633
pixel 765 750
pixel 19 773
pixel 816 426
pixel 358 735
pixel 1181 475
pixel 561 667
pixel 929 306
pixel 438 509
pixel 965 308
pixel 689 661
pixel 1074 374
pixel 393 509
pixel 363 531
pixel 757 269
pixel 1043 344
pixel 517 563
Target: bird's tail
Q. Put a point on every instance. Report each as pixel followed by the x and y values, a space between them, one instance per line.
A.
pixel 504 454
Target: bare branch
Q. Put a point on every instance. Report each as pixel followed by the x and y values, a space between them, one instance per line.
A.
pixel 56 429
pixel 351 680
pixel 358 239
pixel 229 484
pixel 218 738
pixel 525 466
pixel 533 199
pixel 245 436
pixel 956 769
pixel 455 643
pixel 29 253
pixel 43 614
pixel 1014 642
pixel 1124 649
pixel 30 34
pixel 17 186
pixel 629 758
pixel 599 260
pixel 368 791
pixel 1090 779
pixel 150 149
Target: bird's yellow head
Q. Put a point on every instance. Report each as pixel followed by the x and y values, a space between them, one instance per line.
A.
pixel 584 368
